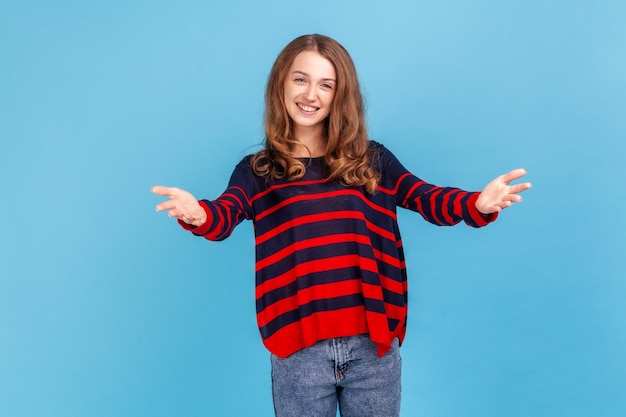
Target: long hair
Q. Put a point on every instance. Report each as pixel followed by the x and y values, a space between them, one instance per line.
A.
pixel 346 150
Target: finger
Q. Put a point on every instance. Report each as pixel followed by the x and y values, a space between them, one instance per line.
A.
pixel 513 175
pixel 177 213
pixel 195 221
pixel 518 188
pixel 166 205
pixel 512 198
pixel 165 191
pixel 492 209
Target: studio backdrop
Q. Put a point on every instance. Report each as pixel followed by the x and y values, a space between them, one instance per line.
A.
pixel 110 309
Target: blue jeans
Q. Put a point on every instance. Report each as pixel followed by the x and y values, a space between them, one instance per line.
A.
pixel 345 371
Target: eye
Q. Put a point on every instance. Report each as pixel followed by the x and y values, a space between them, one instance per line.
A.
pixel 299 80
pixel 327 86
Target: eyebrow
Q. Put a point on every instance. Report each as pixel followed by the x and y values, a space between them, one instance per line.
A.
pixel 309 76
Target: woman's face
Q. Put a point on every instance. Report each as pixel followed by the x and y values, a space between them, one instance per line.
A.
pixel 309 90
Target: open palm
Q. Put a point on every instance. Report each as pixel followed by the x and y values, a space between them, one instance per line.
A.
pixel 500 194
pixel 181 205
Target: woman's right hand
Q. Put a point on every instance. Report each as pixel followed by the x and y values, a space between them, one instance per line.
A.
pixel 181 205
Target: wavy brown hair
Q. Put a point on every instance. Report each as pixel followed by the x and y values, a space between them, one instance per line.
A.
pixel 346 151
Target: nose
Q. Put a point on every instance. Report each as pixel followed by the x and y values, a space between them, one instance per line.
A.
pixel 310 92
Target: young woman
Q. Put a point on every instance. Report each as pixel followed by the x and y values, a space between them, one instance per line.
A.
pixel 331 286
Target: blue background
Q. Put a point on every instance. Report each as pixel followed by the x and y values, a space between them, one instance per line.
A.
pixel 108 308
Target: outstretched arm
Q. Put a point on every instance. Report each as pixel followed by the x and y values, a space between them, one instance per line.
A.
pixel 499 194
pixel 181 205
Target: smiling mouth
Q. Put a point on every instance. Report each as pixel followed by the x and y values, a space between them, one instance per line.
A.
pixel 308 109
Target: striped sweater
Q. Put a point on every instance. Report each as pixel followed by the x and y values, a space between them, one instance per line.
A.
pixel 329 258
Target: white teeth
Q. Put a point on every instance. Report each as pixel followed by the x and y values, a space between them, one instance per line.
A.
pixel 307 108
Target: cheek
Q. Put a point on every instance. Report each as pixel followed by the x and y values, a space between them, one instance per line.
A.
pixel 329 101
pixel 287 101
pixel 287 91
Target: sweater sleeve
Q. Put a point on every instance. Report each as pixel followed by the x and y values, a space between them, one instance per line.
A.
pixel 229 209
pixel 442 206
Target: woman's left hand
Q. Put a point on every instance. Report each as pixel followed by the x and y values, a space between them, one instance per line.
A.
pixel 498 194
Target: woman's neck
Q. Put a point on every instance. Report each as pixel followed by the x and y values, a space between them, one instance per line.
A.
pixel 311 143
